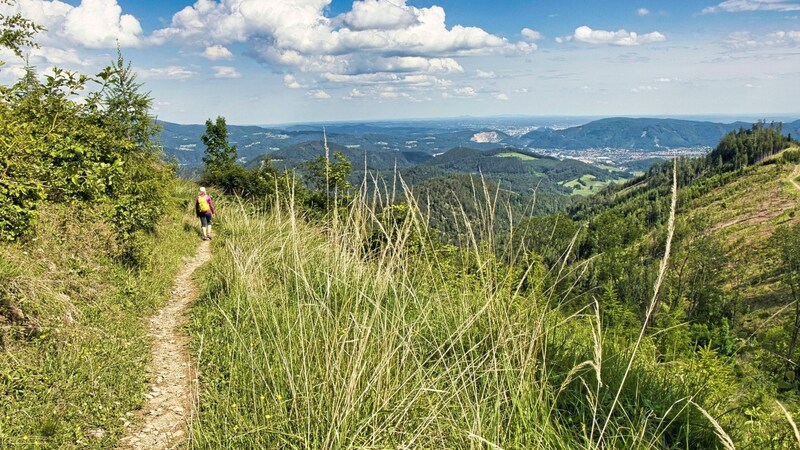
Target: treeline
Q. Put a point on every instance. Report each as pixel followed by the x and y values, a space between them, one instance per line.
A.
pixel 740 148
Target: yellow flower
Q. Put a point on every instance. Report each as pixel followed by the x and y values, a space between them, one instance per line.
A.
pixel 268 416
pixel 279 397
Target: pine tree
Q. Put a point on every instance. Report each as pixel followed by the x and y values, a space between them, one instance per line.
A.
pixel 127 107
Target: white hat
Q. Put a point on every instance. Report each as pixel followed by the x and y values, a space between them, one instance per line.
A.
pixel 202 189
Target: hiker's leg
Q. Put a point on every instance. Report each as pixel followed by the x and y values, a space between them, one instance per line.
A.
pixel 204 226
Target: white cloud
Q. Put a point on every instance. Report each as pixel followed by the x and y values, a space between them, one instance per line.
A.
pixel 466 91
pixel 501 97
pixel 226 72
pixel 531 35
pixel 663 80
pixel 642 11
pixel 357 93
pixel 57 56
pixel 639 89
pixel 380 15
pixel 291 82
pixel 753 5
pixel 374 37
pixel 484 74
pixel 783 38
pixel 217 52
pixel 91 24
pixel 166 73
pixel 405 64
pixel 744 40
pixel 620 37
pixel 319 94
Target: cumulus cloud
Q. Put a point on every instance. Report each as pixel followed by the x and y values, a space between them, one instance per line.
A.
pixel 753 5
pixel 226 72
pixel 319 94
pixel 380 15
pixel 531 35
pixel 217 52
pixel 744 40
pixel 485 74
pixel 642 12
pixel 374 37
pixel 166 73
pixel 379 26
pixel 501 97
pixel 91 24
pixel 466 91
pixel 291 82
pixel 783 38
pixel 621 37
pixel 57 56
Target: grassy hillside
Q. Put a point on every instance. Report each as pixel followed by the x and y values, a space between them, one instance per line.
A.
pixel 73 325
pixel 307 338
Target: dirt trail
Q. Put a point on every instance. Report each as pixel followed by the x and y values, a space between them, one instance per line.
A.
pixel 794 176
pixel 173 388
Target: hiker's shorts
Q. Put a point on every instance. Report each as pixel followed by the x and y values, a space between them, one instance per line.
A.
pixel 205 219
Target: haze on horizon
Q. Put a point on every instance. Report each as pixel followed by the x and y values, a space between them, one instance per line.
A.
pixel 285 61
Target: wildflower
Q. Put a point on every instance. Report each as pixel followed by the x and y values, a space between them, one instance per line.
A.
pixel 279 397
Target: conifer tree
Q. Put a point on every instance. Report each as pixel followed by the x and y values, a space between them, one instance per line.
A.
pixel 127 107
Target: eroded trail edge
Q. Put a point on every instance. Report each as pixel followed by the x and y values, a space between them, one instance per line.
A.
pixel 173 387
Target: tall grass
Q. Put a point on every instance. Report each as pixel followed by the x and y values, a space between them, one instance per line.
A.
pixel 313 336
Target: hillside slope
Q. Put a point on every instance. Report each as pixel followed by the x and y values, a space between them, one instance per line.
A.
pixel 630 133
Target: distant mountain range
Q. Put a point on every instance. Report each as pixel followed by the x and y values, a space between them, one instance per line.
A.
pixel 406 144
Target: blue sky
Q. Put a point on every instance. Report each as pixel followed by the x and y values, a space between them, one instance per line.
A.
pixel 279 61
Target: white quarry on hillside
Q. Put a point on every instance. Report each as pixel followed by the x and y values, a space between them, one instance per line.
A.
pixel 486 137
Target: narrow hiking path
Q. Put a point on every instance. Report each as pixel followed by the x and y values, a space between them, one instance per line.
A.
pixel 173 388
pixel 794 176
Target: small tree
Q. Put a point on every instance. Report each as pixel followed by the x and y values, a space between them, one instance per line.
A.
pixel 220 155
pixel 127 108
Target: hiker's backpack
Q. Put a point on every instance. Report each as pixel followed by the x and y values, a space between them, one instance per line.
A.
pixel 202 203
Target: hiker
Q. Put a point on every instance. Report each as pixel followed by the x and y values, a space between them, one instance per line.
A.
pixel 204 208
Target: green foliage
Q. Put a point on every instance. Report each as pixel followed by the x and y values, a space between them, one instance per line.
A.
pixel 73 360
pixel 127 108
pixel 744 147
pixel 329 176
pixel 792 156
pixel 259 183
pixel 16 31
pixel 391 347
pixel 219 154
pixel 100 150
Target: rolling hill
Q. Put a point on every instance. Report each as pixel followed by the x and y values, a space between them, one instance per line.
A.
pixel 635 134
